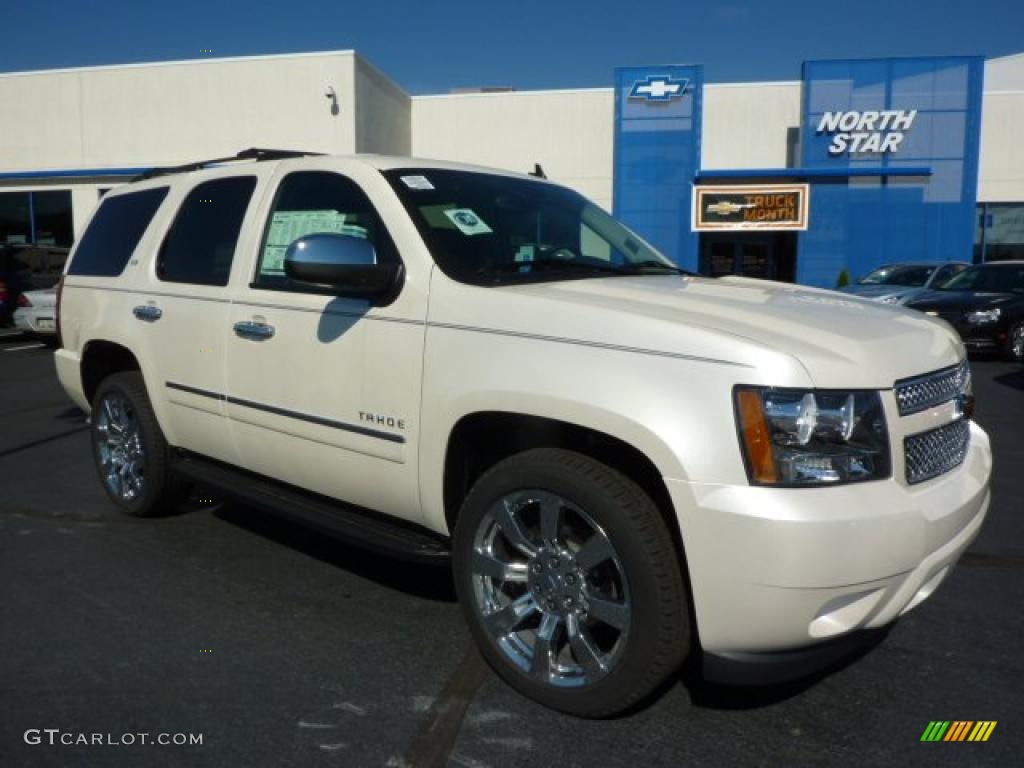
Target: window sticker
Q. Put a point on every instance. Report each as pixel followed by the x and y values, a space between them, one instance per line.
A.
pixel 288 226
pixel 524 254
pixel 417 182
pixel 467 221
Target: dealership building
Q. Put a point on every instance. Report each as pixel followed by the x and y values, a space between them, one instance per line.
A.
pixel 856 163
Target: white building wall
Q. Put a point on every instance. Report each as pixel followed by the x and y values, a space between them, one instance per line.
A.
pixel 383 113
pixel 749 125
pixel 154 114
pixel 1001 166
pixel 568 132
pixel 83 201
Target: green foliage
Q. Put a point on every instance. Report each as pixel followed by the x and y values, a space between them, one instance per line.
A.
pixel 844 279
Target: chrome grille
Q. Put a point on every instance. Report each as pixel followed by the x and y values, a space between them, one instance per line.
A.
pixel 930 454
pixel 923 392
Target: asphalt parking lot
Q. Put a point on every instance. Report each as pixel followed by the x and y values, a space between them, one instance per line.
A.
pixel 281 647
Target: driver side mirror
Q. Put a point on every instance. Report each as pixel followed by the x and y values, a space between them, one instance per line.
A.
pixel 345 264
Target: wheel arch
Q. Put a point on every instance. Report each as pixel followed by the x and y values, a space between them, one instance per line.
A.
pixel 100 359
pixel 480 439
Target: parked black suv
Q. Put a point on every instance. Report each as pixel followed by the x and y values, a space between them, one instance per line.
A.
pixel 985 304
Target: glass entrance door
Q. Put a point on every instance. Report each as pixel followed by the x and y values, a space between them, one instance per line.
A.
pixel 765 255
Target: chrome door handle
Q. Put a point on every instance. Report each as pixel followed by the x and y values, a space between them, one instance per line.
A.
pixel 257 331
pixel 148 312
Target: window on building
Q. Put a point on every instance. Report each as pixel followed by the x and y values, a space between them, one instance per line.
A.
pixel 201 244
pixel 309 202
pixel 53 223
pixel 114 232
pixel 15 218
pixel 1000 232
pixel 41 218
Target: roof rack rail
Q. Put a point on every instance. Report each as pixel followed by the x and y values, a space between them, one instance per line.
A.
pixel 253 153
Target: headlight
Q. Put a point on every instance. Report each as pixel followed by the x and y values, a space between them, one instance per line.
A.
pixel 982 316
pixel 812 437
pixel 891 299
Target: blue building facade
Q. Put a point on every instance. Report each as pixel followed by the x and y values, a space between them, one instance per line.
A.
pixel 888 151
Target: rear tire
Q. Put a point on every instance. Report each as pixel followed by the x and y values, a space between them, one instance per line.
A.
pixel 132 457
pixel 570 582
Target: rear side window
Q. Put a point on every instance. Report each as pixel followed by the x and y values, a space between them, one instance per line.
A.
pixel 114 233
pixel 201 244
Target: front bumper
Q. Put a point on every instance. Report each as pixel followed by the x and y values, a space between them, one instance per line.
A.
pixel 986 336
pixel 775 570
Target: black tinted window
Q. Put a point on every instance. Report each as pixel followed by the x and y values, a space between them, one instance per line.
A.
pixel 115 230
pixel 201 244
pixel 945 273
pixel 312 202
pixel 54 224
pixel 989 278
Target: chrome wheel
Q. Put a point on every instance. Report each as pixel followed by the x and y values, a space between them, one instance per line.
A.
pixel 119 446
pixel 550 588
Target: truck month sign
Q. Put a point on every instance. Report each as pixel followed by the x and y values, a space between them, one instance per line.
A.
pixel 766 207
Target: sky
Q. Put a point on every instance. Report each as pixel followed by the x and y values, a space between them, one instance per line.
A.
pixel 432 47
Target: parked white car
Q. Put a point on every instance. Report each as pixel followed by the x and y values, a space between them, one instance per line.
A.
pixel 626 463
pixel 37 312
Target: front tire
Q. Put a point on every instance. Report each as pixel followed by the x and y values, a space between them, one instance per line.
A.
pixel 132 457
pixel 570 582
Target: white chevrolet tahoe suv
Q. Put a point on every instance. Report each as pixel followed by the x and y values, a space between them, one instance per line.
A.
pixel 624 462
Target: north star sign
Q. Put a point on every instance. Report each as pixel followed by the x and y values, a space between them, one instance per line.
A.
pixel 870 131
pixel 658 88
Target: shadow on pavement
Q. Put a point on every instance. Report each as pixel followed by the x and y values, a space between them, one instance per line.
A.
pixel 713 695
pixel 1013 379
pixel 432 582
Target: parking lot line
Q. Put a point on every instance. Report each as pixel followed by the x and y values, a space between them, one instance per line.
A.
pixel 24 347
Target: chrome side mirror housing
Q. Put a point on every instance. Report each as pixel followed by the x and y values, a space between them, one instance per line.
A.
pixel 344 263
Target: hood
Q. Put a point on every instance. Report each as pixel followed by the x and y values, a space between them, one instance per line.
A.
pixel 840 341
pixel 877 291
pixel 960 300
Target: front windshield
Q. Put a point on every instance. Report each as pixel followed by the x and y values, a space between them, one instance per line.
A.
pixel 912 276
pixel 989 278
pixel 487 229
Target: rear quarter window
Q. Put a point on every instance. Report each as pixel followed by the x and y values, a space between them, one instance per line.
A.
pixel 114 233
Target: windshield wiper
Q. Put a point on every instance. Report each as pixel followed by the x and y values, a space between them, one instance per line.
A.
pixel 539 265
pixel 650 265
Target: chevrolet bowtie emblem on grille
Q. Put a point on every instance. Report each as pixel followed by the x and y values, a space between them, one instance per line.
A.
pixel 658 88
pixel 724 208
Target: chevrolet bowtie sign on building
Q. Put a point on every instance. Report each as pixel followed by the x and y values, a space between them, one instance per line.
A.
pixel 658 88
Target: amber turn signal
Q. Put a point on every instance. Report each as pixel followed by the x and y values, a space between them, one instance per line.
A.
pixel 756 437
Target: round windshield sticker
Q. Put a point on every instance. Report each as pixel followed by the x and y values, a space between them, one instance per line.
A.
pixel 467 221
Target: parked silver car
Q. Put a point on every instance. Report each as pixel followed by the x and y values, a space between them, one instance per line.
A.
pixel 900 283
pixel 37 312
